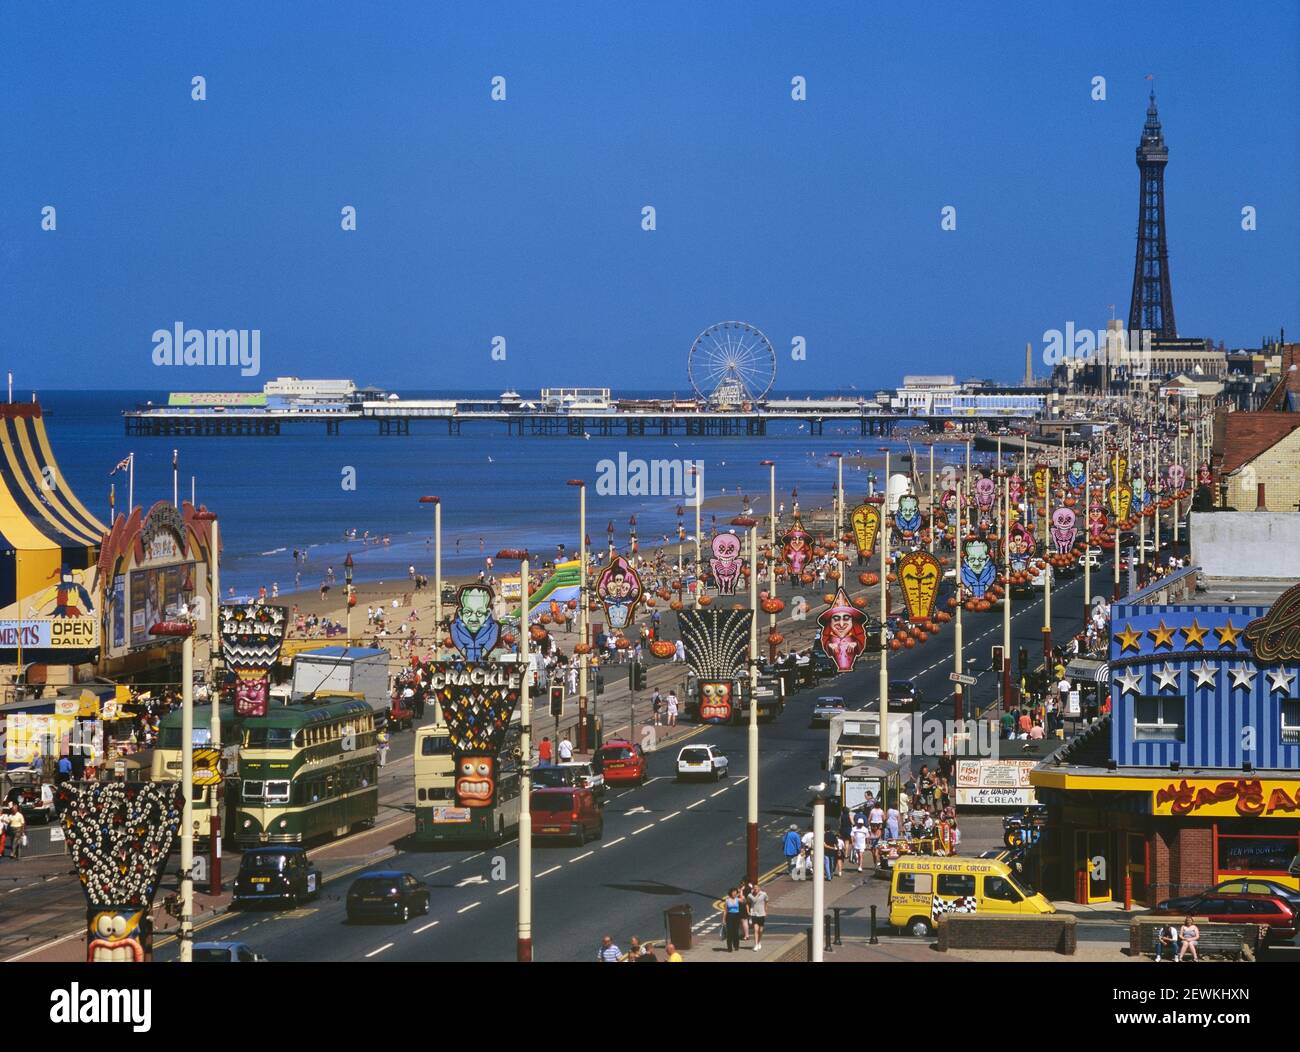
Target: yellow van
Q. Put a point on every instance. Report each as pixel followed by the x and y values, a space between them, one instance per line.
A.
pixel 923 887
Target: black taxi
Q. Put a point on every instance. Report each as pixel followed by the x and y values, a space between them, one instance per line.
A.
pixel 281 875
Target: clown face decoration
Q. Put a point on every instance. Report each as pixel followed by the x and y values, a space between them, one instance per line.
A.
pixel 715 702
pixel 476 783
pixel 117 936
pixel 977 569
pixel 843 637
pixel 986 490
pixel 1020 545
pixel 907 519
pixel 726 563
pixel 796 547
pixel 1016 487
pixel 1063 530
pixel 918 578
pixel 1177 476
pixel 619 589
pixel 252 688
pixel 866 525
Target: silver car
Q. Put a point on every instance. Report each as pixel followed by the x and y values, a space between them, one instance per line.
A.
pixel 825 708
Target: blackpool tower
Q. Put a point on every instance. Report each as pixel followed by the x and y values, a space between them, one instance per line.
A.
pixel 1152 305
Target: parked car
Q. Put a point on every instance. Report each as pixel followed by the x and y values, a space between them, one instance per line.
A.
pixel 1272 911
pixel 826 707
pixel 585 776
pixel 701 761
pixel 282 875
pixel 620 761
pixel 1255 886
pixel 35 799
pixel 564 813
pixel 903 696
pixel 387 894
pixel 223 952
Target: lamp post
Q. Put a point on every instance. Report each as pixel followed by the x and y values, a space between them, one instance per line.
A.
pixel 771 558
pixel 751 828
pixel 884 616
pixel 347 592
pixel 524 927
pixel 819 867
pixel 437 574
pixel 839 503
pixel 1087 538
pixel 214 727
pixel 931 490
pixel 582 610
pixel 958 698
pixel 698 471
pixel 183 629
pixel 1005 671
pixel 1047 569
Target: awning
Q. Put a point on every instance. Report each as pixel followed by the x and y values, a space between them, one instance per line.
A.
pixel 1090 669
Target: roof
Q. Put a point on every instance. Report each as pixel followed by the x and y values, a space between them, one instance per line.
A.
pixel 301 715
pixel 1285 396
pixel 382 874
pixel 275 849
pixel 1246 435
pixel 352 653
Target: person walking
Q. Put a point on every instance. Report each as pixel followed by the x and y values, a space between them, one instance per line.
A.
pixel 657 705
pixel 673 957
pixel 731 919
pixel 17 831
pixel 672 708
pixel 858 837
pixel 565 749
pixel 608 953
pixel 757 913
pixel 792 847
pixel 383 740
pixel 544 753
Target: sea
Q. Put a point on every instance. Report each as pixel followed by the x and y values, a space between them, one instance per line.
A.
pixel 305 491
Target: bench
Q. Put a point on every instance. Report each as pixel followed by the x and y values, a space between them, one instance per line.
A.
pixel 1230 942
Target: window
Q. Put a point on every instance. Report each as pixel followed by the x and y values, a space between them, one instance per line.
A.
pixel 1158 718
pixel 252 790
pixel 268 738
pixel 277 792
pixel 997 888
pixel 915 883
pixel 435 745
pixel 1291 721
pixel 955 884
pixel 1239 854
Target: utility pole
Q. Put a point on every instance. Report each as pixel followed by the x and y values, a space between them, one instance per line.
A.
pixel 183 629
pixel 751 828
pixel 884 618
pixel 583 659
pixel 958 699
pixel 214 727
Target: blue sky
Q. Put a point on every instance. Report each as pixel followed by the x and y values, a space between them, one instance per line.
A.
pixel 522 218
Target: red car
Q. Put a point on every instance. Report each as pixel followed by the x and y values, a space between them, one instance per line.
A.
pixel 1271 911
pixel 621 761
pixel 567 812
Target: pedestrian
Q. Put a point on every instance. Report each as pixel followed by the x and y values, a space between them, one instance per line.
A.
pixel 633 951
pixel 859 840
pixel 1189 934
pixel 656 705
pixel 757 913
pixel 17 831
pixel 565 749
pixel 673 957
pixel 383 739
pixel 544 753
pixel 672 708
pixel 791 847
pixel 731 919
pixel 608 953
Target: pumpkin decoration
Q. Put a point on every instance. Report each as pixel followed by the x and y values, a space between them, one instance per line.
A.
pixel 772 605
pixel 662 648
pixel 582 648
pixel 775 639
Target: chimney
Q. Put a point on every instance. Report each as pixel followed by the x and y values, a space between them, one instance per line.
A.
pixel 1260 504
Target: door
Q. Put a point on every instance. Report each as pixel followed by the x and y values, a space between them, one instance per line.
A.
pixel 1137 866
pixel 1091 858
pixel 1000 896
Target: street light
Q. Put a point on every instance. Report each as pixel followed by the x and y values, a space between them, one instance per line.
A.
pixel 884 610
pixel 751 829
pixel 771 558
pixel 347 591
pixel 839 502
pixel 437 574
pixel 183 629
pixel 214 655
pixel 819 862
pixel 583 628
pixel 524 928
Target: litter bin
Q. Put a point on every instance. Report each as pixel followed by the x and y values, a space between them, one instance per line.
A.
pixel 677 919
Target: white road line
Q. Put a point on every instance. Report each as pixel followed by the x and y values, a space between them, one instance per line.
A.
pixel 656 778
pixel 741 780
pixel 673 815
pixel 473 857
pixel 434 873
pixel 696 804
pixel 431 924
pixel 507 891
pixel 579 858
pixel 466 909
pixel 613 842
pixel 386 946
pixel 720 791
pixel 547 872
pixel 643 829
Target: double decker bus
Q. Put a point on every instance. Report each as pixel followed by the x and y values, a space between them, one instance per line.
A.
pixel 308 770
pixel 165 765
pixel 437 818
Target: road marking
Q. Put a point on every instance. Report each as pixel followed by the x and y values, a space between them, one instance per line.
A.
pixel 507 891
pixel 476 879
pixel 696 804
pixel 643 829
pixel 673 815
pixel 637 811
pixel 434 873
pixel 585 854
pixel 431 924
pixel 741 780
pixel 466 909
pixel 386 946
pixel 473 857
pixel 613 842
pixel 546 872
pixel 656 778
pixel 720 791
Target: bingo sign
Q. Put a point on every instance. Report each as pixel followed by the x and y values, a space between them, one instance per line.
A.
pixel 251 634
pixel 995 783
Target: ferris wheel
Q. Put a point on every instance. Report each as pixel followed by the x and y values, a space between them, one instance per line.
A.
pixel 730 363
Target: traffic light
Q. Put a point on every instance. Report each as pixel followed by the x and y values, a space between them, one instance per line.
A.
pixel 636 675
pixel 557 701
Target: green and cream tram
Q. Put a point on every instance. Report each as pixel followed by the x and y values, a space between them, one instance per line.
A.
pixel 308 771
pixel 166 759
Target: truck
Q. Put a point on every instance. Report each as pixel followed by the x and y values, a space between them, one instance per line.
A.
pixel 854 738
pixel 360 670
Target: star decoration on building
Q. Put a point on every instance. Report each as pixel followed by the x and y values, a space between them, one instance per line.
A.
pixel 1280 679
pixel 1206 675
pixel 1129 638
pixel 1129 682
pixel 1168 677
pixel 1227 634
pixel 1162 634
pixel 1194 634
pixel 1242 677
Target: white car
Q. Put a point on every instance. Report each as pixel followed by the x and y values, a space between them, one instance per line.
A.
pixel 701 761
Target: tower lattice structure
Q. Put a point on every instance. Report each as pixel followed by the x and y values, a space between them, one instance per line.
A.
pixel 1152 304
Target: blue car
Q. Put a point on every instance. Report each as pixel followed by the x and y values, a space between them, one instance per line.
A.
pixel 387 894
